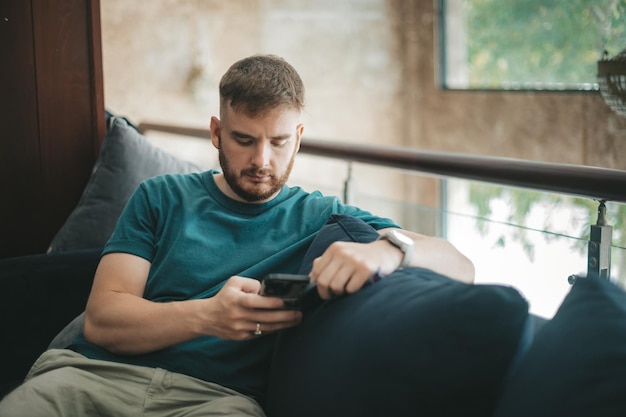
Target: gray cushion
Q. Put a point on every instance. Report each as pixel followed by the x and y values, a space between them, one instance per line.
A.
pixel 126 158
pixel 69 332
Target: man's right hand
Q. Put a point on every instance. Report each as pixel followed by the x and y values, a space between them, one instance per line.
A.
pixel 237 308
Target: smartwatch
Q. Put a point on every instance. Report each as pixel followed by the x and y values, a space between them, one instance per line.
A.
pixel 402 242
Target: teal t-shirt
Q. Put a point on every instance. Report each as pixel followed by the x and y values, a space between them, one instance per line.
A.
pixel 196 238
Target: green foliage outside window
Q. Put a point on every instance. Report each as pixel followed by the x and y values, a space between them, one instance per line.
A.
pixel 541 43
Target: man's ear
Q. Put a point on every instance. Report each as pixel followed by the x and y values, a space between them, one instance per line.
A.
pixel 299 132
pixel 216 130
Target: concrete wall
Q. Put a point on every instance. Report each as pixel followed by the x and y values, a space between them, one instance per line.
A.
pixel 370 67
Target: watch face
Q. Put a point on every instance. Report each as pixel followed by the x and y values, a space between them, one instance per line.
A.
pixel 404 240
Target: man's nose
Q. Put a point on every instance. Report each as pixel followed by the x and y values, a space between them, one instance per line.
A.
pixel 262 154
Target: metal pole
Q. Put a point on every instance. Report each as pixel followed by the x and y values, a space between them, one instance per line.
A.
pixel 347 186
pixel 599 247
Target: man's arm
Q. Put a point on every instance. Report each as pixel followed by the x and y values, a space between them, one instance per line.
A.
pixel 436 254
pixel 346 266
pixel 119 319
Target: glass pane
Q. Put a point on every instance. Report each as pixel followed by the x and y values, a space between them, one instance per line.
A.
pixel 530 240
pixel 529 44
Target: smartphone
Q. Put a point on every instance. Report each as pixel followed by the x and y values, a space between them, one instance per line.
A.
pixel 289 287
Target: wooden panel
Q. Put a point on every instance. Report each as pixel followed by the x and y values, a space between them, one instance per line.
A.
pixel 19 137
pixel 55 129
pixel 63 56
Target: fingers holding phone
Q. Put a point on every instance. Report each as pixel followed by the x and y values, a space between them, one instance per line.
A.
pixel 237 309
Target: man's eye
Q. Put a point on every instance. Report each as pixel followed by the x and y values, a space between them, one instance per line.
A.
pixel 244 142
pixel 279 143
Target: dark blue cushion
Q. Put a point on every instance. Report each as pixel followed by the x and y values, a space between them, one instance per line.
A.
pixel 42 293
pixel 339 227
pixel 576 366
pixel 415 343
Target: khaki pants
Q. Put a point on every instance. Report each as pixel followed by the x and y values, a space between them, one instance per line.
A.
pixel 65 383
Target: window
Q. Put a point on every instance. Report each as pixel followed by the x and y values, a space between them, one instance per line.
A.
pixel 528 44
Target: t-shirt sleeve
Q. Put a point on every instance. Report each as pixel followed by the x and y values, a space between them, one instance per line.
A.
pixel 134 232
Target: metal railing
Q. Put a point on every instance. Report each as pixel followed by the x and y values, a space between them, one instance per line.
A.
pixel 601 184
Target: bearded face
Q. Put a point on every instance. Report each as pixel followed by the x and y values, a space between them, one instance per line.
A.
pixel 256 153
pixel 254 184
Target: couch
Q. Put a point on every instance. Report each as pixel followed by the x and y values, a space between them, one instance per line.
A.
pixel 413 344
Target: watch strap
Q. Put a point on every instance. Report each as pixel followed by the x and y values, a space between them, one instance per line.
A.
pixel 405 247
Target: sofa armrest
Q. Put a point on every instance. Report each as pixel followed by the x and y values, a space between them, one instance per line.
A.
pixel 42 294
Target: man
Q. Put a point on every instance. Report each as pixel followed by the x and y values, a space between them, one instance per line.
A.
pixel 174 321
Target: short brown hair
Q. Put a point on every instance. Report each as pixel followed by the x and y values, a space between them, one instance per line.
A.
pixel 261 83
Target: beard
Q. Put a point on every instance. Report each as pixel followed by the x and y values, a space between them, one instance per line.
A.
pixel 255 192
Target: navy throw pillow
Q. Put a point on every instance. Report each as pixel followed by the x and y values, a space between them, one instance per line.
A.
pixel 339 227
pixel 576 366
pixel 414 343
